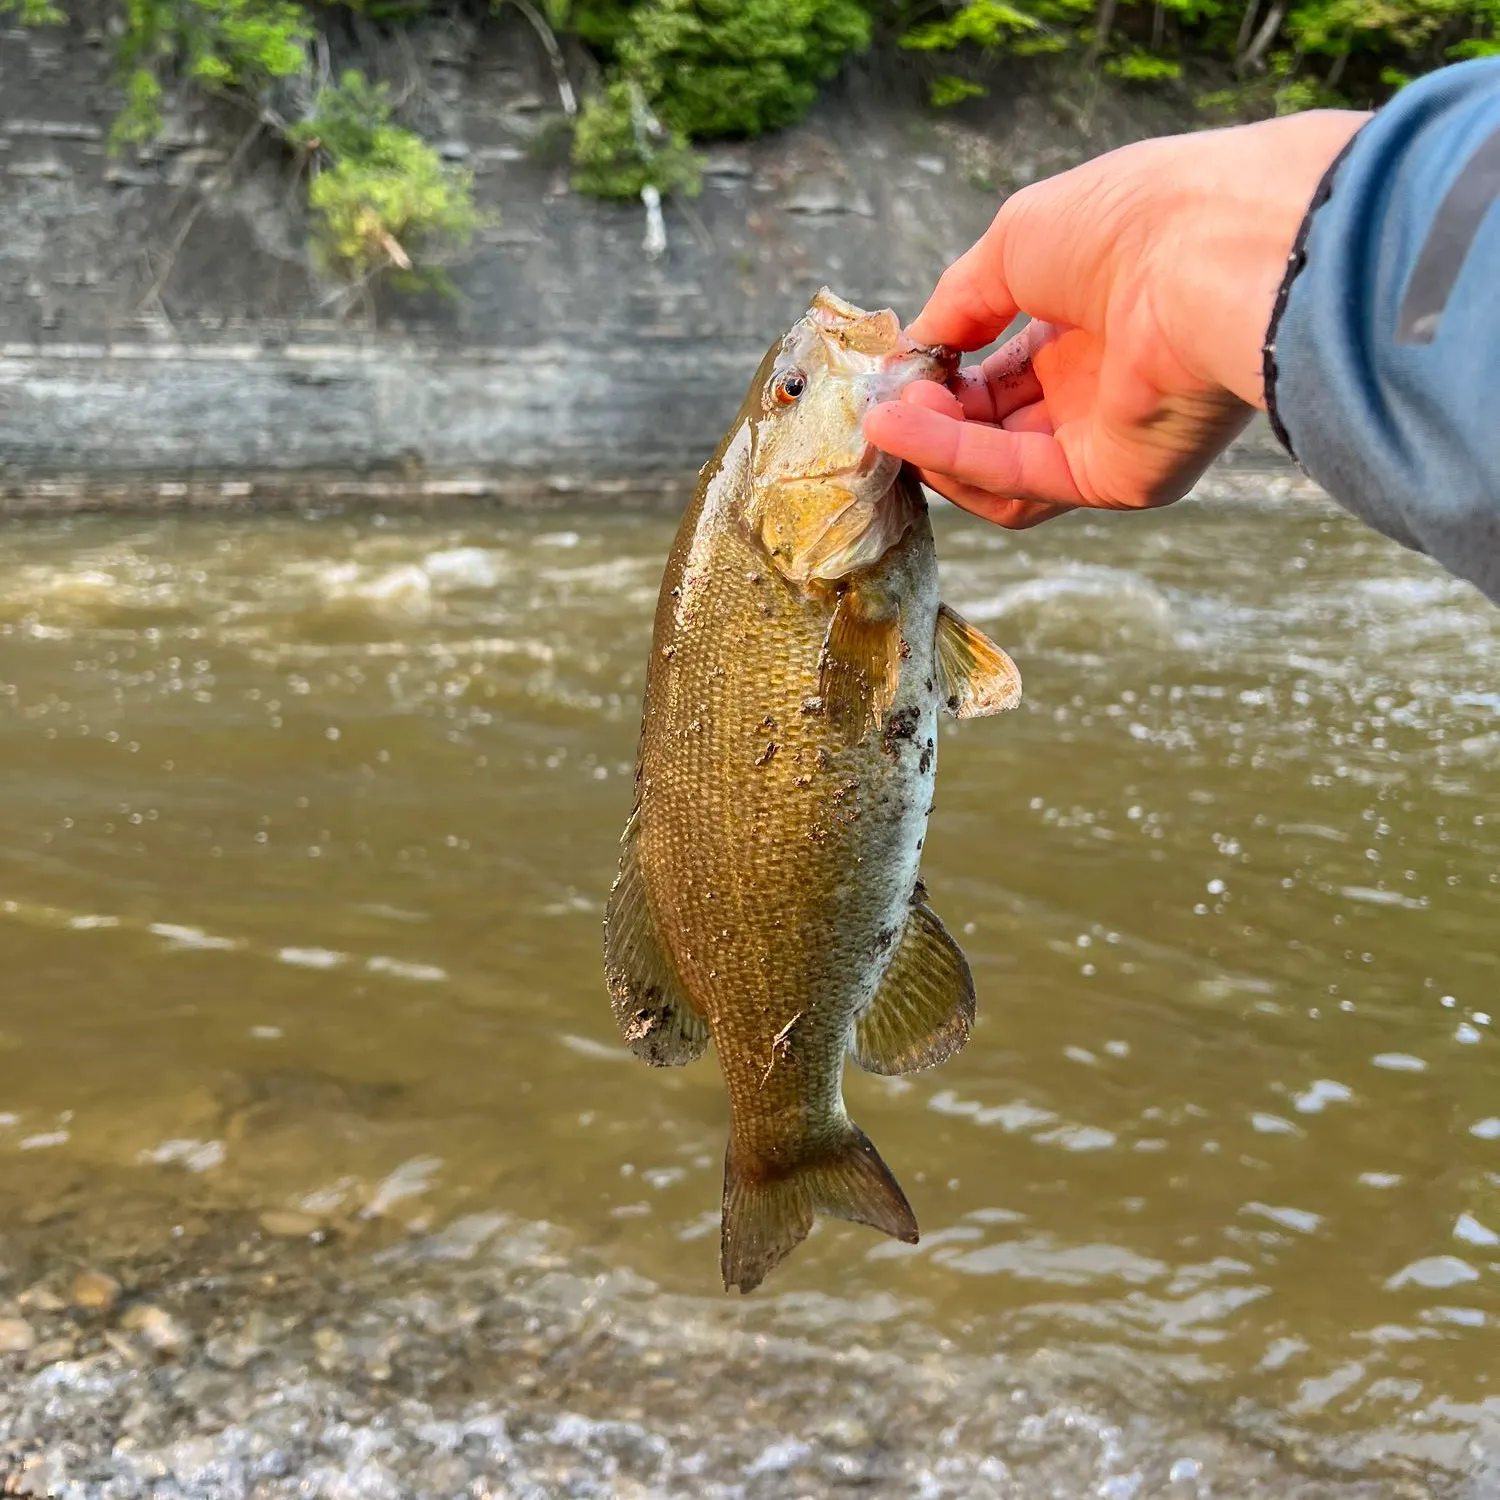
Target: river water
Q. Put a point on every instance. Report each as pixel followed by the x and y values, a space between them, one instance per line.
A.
pixel 306 826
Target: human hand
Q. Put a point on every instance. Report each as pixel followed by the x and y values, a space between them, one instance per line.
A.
pixel 1151 274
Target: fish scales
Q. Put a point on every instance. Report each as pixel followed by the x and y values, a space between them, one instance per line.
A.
pixel 768 896
pixel 844 822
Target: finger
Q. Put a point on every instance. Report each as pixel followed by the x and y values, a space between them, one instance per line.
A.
pixel 987 400
pixel 1014 515
pixel 1047 252
pixel 1033 418
pixel 934 397
pixel 1018 465
pixel 1007 380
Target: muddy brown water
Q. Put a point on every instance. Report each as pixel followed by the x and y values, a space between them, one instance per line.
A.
pixel 306 827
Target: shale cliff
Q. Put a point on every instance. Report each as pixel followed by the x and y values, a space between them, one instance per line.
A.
pixel 165 338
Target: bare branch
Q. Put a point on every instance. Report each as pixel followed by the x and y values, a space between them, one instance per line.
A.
pixel 1255 54
pixel 1247 25
pixel 1104 22
pixel 548 40
pixel 220 180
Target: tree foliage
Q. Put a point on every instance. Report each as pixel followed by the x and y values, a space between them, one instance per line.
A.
pixel 620 147
pixel 384 201
pixel 220 44
pixel 705 69
pixel 1285 56
pixel 380 198
pixel 669 73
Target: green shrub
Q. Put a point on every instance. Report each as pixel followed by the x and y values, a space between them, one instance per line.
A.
pixel 1319 52
pixel 387 203
pixel 991 26
pixel 713 68
pixel 33 12
pixel 1140 66
pixel 949 88
pixel 220 44
pixel 690 70
pixel 615 157
pixel 600 24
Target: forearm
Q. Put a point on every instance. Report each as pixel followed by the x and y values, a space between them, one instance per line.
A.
pixel 1383 362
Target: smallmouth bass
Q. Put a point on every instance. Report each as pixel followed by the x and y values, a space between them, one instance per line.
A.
pixel 768 895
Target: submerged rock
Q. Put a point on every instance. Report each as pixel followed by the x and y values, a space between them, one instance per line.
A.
pixel 95 1291
pixel 158 1330
pixel 17 1336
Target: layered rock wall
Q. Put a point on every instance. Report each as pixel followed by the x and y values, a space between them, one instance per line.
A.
pixel 164 337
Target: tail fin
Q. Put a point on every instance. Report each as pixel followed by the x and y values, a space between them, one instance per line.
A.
pixel 768 1211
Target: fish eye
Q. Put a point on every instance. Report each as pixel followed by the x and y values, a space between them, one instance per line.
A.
pixel 790 384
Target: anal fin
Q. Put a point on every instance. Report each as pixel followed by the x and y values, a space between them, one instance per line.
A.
pixel 860 666
pixel 976 676
pixel 769 1212
pixel 652 1009
pixel 923 1011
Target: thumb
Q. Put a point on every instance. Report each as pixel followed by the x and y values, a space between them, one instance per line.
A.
pixel 971 304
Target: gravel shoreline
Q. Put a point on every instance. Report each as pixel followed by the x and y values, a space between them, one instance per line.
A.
pixel 261 1358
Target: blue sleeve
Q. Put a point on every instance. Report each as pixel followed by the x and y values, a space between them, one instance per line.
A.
pixel 1383 359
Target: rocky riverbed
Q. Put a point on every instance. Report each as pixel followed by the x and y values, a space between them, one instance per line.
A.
pixel 228 1356
pixel 323 1171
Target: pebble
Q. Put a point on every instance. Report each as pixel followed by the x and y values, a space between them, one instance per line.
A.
pixel 158 1330
pixel 51 1352
pixel 844 1432
pixel 95 1290
pixel 331 1348
pixel 17 1336
pixel 42 1299
pixel 39 1477
pixel 234 1349
pixel 288 1224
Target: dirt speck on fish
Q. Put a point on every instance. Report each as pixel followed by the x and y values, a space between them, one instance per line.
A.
pixel 768 895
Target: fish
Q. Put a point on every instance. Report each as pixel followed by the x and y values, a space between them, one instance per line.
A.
pixel 768 897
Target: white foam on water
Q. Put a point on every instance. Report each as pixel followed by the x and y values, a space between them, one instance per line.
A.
pixel 190 937
pixel 1434 1271
pixel 195 1156
pixel 399 968
pixel 457 569
pixel 1302 1220
pixel 1399 1062
pixel 410 1180
pixel 44 1141
pixel 311 958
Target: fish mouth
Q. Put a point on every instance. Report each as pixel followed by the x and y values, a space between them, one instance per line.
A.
pixel 862 341
pixel 939 359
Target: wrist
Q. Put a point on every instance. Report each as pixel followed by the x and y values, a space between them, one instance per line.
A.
pixel 1257 188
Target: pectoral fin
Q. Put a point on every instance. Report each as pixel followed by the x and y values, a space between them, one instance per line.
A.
pixel 975 675
pixel 924 1009
pixel 860 667
pixel 654 1014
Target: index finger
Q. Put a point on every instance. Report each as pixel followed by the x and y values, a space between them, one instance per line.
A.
pixel 1021 465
